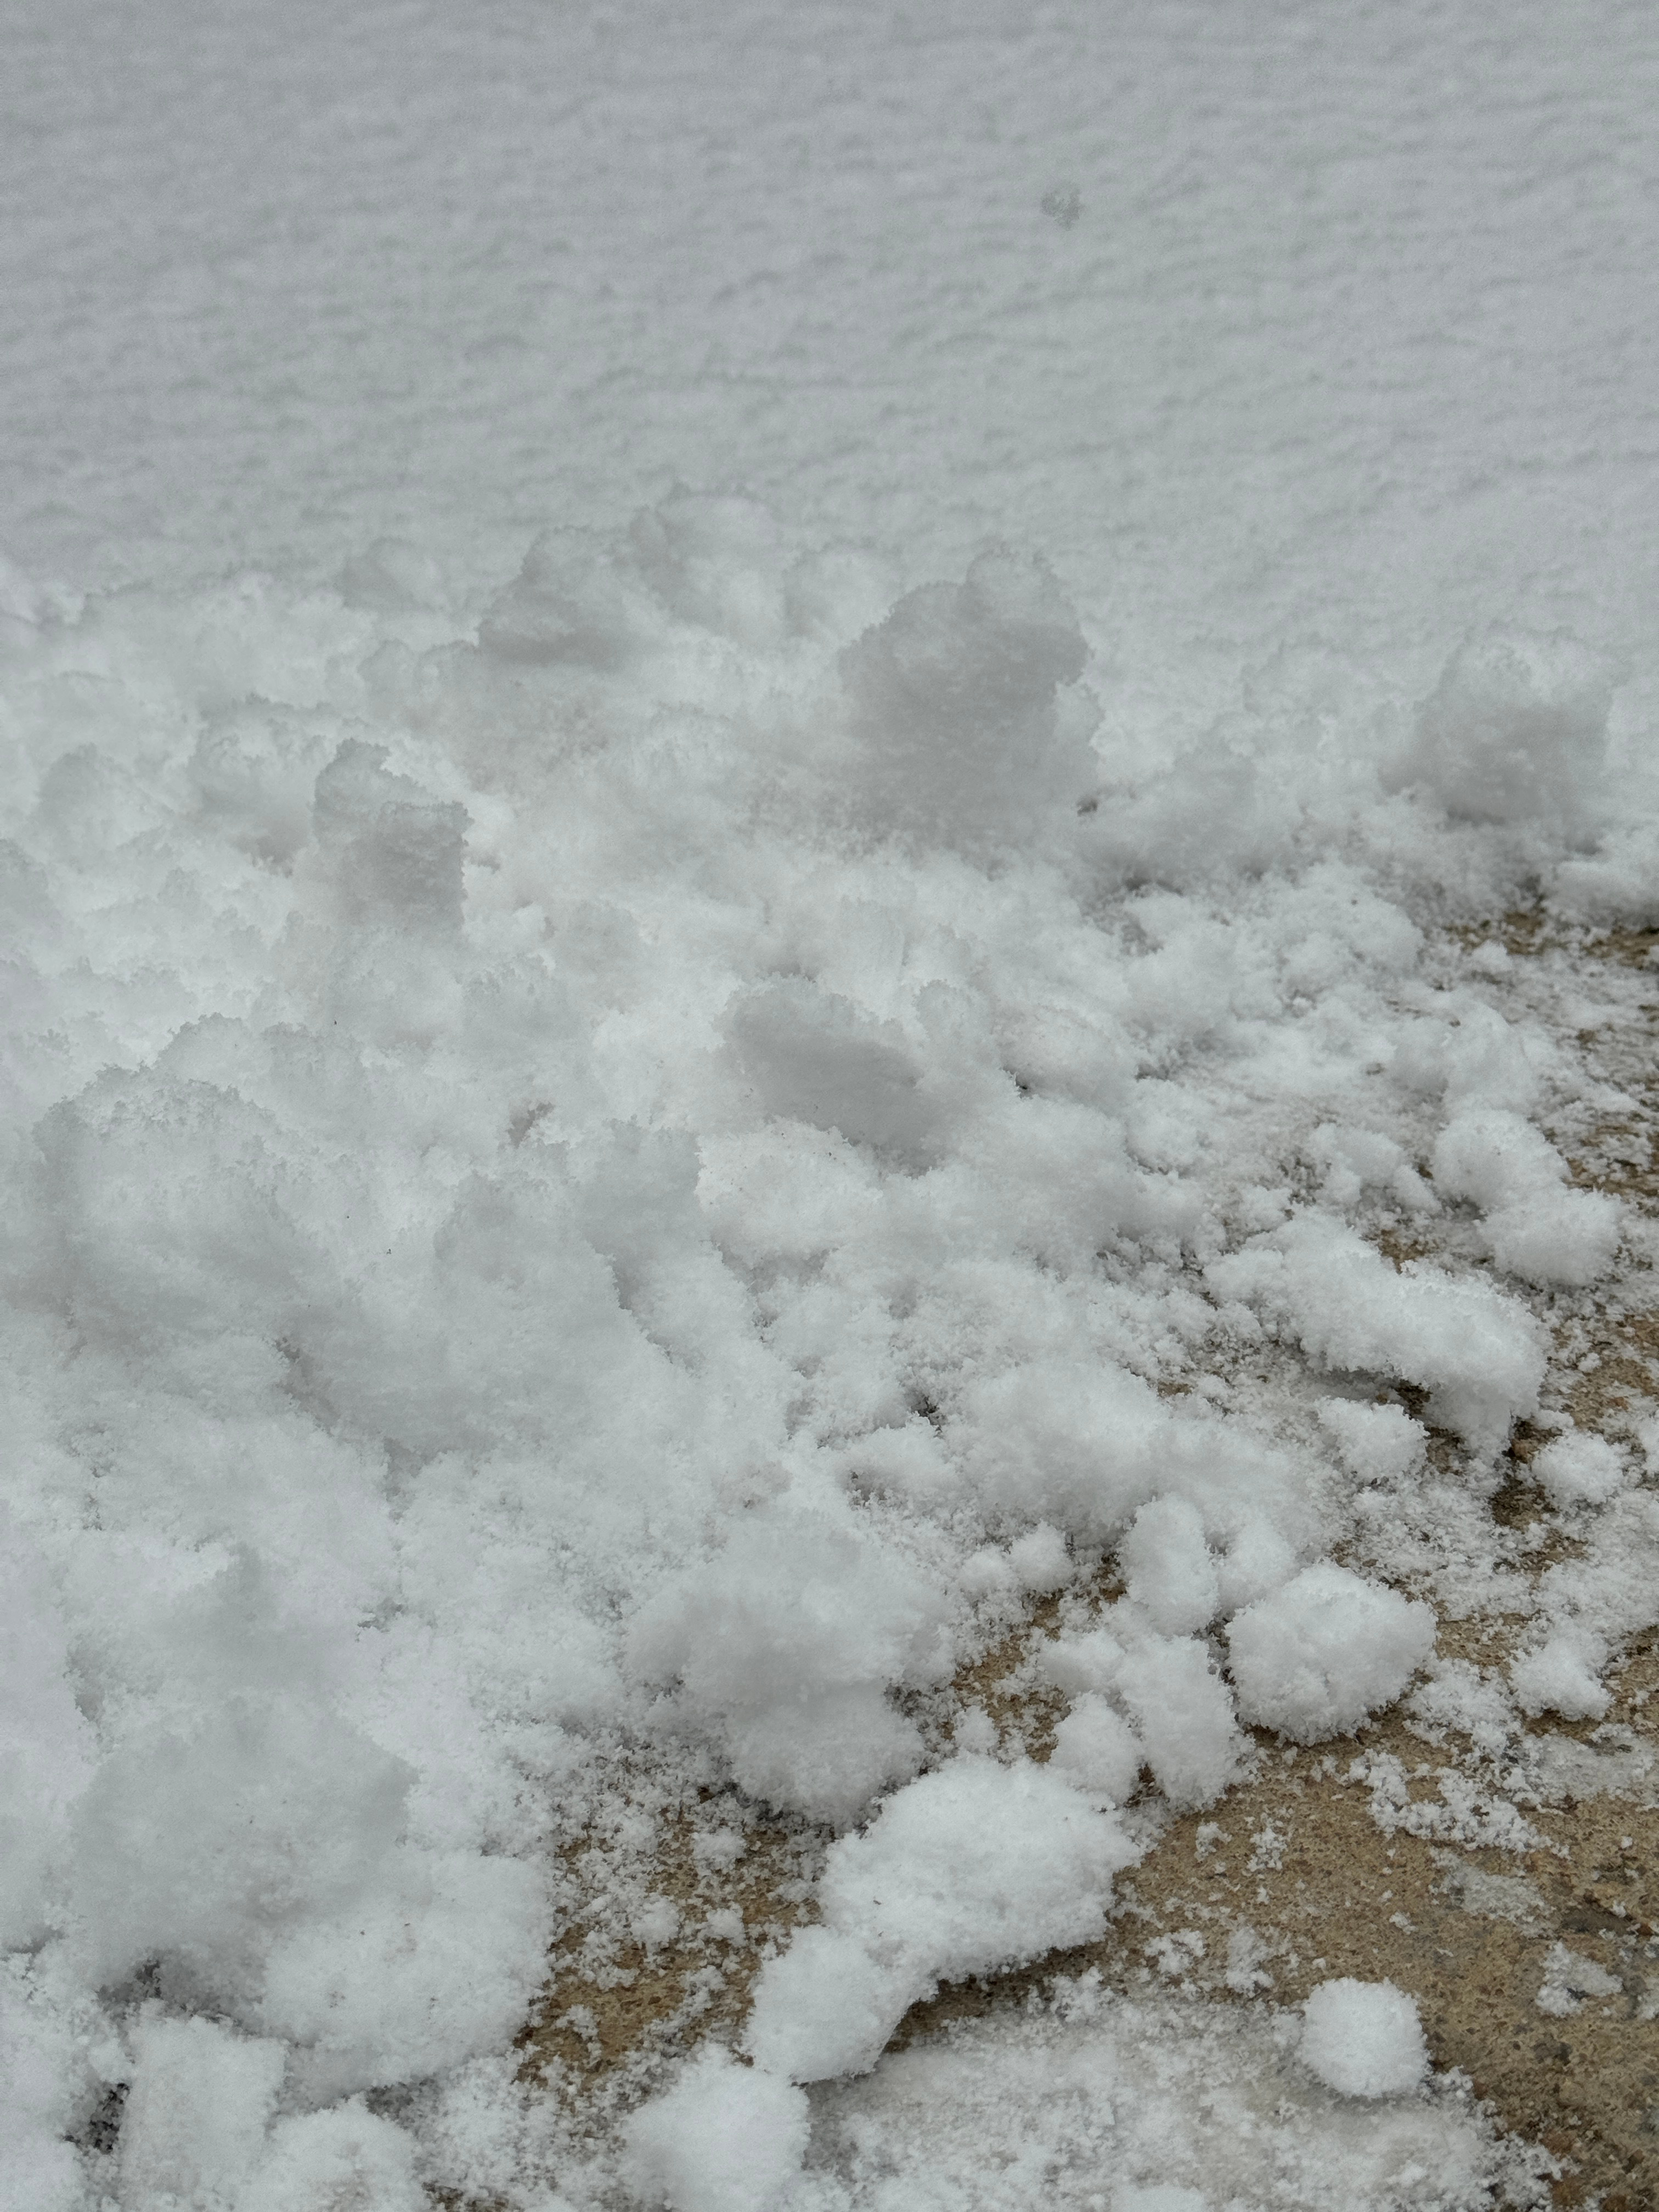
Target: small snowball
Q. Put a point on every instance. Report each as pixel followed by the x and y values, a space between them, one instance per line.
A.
pixel 1098 1749
pixel 1364 2039
pixel 826 2007
pixel 1169 1571
pixel 657 1921
pixel 1563 1676
pixel 1319 1655
pixel 1257 1559
pixel 1041 1561
pixel 725 2138
pixel 1184 1712
pixel 1377 1444
pixel 975 1731
pixel 1517 731
pixel 1578 1469
pixel 987 1571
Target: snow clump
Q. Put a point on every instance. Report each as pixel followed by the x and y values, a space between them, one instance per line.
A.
pixel 974 1866
pixel 1515 730
pixel 1363 2038
pixel 1319 1655
pixel 725 2138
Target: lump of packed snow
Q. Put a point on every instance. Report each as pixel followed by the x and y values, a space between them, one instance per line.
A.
pixel 320 2161
pixel 974 1866
pixel 443 1964
pixel 1167 1568
pixel 1363 2038
pixel 953 706
pixel 1184 1713
pixel 814 1057
pixel 1479 1353
pixel 193 2127
pixel 1515 730
pixel 1578 1469
pixel 1095 1747
pixel 1562 1674
pixel 724 2138
pixel 1379 1443
pixel 204 1847
pixel 1078 1664
pixel 1355 1160
pixel 1535 1225
pixel 45 1745
pixel 1257 1559
pixel 1316 1657
pixel 783 1649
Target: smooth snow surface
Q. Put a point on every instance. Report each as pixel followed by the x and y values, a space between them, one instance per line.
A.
pixel 630 1115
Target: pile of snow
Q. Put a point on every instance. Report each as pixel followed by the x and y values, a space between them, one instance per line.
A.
pixel 646 1174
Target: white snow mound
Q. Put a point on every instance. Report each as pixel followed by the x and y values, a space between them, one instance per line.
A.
pixel 1363 2038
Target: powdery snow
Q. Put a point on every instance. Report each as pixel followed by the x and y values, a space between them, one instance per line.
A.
pixel 1363 2038
pixel 584 1215
pixel 632 1117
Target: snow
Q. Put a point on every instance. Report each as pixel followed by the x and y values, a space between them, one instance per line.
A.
pixel 1363 2038
pixel 736 755
pixel 726 2138
pixel 1165 2106
pixel 1579 1470
pixel 1140 2106
pixel 1568 1978
pixel 1324 1650
pixel 974 1866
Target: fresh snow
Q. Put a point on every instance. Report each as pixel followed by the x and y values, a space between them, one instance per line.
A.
pixel 633 1117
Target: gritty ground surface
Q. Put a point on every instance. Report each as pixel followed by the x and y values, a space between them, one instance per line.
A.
pixel 1522 1916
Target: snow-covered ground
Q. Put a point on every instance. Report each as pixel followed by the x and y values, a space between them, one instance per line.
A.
pixel 633 1115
